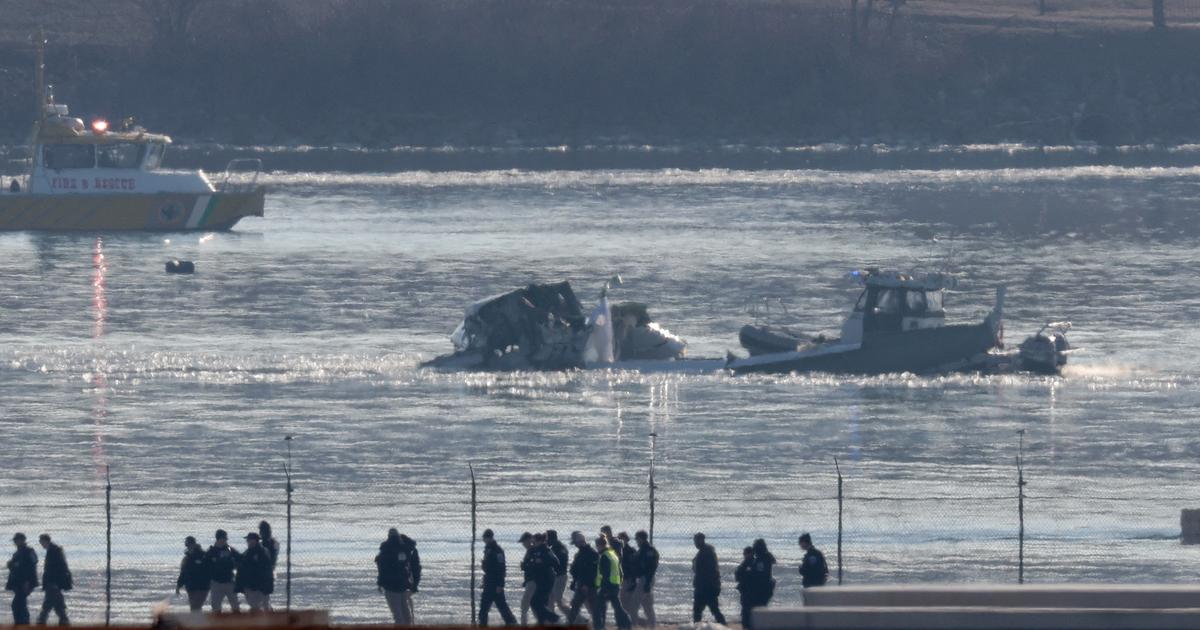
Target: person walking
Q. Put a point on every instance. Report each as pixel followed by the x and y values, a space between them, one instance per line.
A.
pixel 255 575
pixel 583 578
pixel 762 582
pixel 395 579
pixel 268 542
pixel 22 578
pixel 527 583
pixel 608 587
pixel 222 563
pixel 629 575
pixel 414 570
pixel 194 574
pixel 647 568
pixel 494 570
pixel 706 581
pixel 56 580
pixel 741 576
pixel 813 569
pixel 541 566
pixel 560 577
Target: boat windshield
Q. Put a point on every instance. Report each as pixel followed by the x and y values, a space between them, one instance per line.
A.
pixel 887 302
pixel 123 155
pixel 154 156
pixel 915 301
pixel 60 156
pixel 861 304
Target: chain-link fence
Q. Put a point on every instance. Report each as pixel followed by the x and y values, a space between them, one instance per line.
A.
pixel 1075 530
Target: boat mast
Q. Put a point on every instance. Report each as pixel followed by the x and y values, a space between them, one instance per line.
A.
pixel 39 92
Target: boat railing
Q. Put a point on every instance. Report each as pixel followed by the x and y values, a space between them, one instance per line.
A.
pixel 767 309
pixel 241 175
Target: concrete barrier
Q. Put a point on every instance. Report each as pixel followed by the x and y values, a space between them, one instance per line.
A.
pixel 974 618
pixel 1189 527
pixel 990 607
pixel 1009 595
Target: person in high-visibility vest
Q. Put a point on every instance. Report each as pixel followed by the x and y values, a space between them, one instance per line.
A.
pixel 608 586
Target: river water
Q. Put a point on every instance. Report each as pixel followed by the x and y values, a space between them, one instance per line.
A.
pixel 310 323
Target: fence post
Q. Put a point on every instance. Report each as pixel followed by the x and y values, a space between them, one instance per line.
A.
pixel 1021 507
pixel 287 472
pixel 107 547
pixel 653 450
pixel 474 503
pixel 839 538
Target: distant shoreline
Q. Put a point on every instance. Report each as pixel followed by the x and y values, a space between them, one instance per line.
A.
pixel 213 157
pixel 719 73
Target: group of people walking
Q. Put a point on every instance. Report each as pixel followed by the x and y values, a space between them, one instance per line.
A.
pixel 23 579
pixel 218 574
pixel 612 572
pixel 756 582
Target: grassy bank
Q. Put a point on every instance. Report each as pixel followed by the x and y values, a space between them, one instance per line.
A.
pixel 432 72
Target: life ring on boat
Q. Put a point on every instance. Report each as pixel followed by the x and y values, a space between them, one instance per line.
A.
pixel 180 266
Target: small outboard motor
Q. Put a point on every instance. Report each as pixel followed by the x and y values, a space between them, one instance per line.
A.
pixel 1046 351
pixel 180 266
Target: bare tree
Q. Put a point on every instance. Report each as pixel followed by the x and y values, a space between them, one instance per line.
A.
pixel 891 25
pixel 1160 17
pixel 170 19
pixel 868 9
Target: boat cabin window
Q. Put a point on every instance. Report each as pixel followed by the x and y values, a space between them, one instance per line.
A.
pixel 60 156
pixel 914 301
pixel 887 302
pixel 123 155
pixel 933 301
pixel 154 156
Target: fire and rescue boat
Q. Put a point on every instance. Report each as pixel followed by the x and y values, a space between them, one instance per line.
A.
pixel 97 178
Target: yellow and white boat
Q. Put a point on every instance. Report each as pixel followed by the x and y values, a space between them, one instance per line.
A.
pixel 96 179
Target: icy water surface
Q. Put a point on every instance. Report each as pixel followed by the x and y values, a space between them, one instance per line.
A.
pixel 310 322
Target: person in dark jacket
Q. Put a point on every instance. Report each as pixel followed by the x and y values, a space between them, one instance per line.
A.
pixel 22 579
pixel 194 574
pixel 647 568
pixel 255 577
pixel 608 587
pixel 494 570
pixel 528 586
pixel 395 562
pixel 268 542
pixel 629 575
pixel 583 577
pixel 741 575
pixel 560 577
pixel 222 563
pixel 762 580
pixel 541 567
pixel 813 570
pixel 706 581
pixel 56 580
pixel 414 560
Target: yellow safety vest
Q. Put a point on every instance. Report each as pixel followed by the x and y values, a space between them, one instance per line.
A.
pixel 614 574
